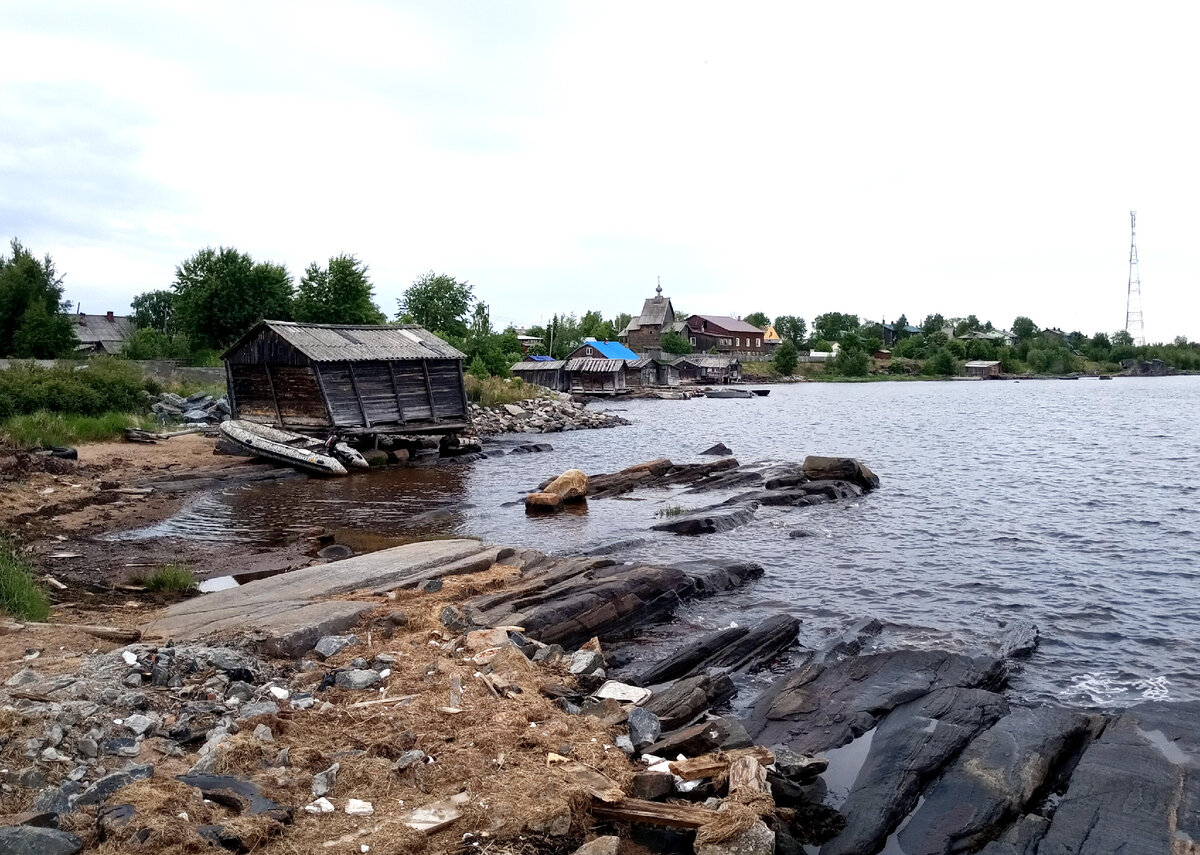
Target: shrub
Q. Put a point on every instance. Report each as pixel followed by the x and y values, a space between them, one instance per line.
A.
pixel 171 579
pixel 850 363
pixel 491 391
pixel 785 359
pixel 19 594
pixel 89 389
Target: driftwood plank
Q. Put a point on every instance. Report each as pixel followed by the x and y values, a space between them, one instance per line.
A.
pixel 746 774
pixel 712 765
pixel 654 813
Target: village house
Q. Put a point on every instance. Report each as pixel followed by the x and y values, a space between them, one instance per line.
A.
pixel 707 368
pixel 983 368
pixel 591 348
pixel 892 333
pixel 354 379
pixel 595 375
pixel 642 373
pixel 709 332
pixel 100 334
pixel 644 333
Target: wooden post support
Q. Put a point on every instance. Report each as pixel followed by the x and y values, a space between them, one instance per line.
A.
pixel 429 391
pixel 396 392
pixel 362 407
pixel 274 397
pixel 229 389
pixel 316 371
pixel 462 386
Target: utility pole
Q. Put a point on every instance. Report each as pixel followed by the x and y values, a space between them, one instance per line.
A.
pixel 1133 299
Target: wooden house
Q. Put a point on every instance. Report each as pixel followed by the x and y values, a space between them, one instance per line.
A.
pixel 983 368
pixel 595 375
pixel 544 371
pixel 707 368
pixel 591 347
pixel 105 333
pixel 724 334
pixel 318 378
pixel 644 333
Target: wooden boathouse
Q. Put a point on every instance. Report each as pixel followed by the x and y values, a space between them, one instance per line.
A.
pixel 317 378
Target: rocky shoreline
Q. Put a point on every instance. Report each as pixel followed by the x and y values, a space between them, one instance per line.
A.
pixel 455 696
pixel 551 414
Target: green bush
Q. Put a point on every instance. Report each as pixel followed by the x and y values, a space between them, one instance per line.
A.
pixel 850 363
pixel 88 389
pixel 19 594
pixel 171 579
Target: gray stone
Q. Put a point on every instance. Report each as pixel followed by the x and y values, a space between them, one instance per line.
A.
pixel 756 840
pixel 240 690
pixel 429 586
pixel 689 697
pixel 992 781
pixel 88 748
pixel 644 727
pixel 585 661
pixel 356 679
pixel 624 743
pixel 121 747
pixel 256 709
pixel 32 840
pixel 1019 639
pixel 263 733
pixel 407 759
pixel 331 645
pixel 720 450
pixel 111 783
pixel 302 701
pixel 323 782
pixel 652 785
pixel 1021 838
pixel 608 845
pixel 140 724
pixel 548 655
pixel 454 619
pixel 798 768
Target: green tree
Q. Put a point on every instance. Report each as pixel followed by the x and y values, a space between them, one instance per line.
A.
pixel 850 362
pixel 621 321
pixel 832 325
pixel 221 293
pixel 42 335
pixel 149 343
pixel 792 328
pixel 593 325
pixel 785 358
pixel 912 347
pixel 155 310
pixel 900 327
pixel 439 303
pixel 758 319
pixel 969 324
pixel 31 293
pixel 673 342
pixel 944 363
pixel 932 324
pixel 340 293
pixel 1023 329
pixel 1121 338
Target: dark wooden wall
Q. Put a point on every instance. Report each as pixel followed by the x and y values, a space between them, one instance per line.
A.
pixel 369 394
pixel 256 388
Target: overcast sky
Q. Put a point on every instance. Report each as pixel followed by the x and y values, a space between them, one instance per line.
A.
pixel 793 158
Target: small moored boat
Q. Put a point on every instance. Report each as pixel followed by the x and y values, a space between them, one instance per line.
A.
pixel 762 393
pixel 293 449
pixel 729 393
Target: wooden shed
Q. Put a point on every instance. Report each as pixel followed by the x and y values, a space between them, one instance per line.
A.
pixel 708 368
pixel 596 375
pixel 983 368
pixel 547 373
pixel 316 378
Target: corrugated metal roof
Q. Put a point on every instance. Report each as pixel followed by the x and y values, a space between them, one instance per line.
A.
pixel 731 324
pixel 344 343
pixel 595 365
pixel 707 360
pixel 98 329
pixel 981 363
pixel 541 365
pixel 640 363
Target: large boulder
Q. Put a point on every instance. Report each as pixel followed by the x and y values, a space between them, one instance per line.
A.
pixel 840 469
pixel 570 486
pixel 32 840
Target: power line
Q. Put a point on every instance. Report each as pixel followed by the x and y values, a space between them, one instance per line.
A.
pixel 1133 298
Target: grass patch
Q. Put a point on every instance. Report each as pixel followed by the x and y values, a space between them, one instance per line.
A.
pixel 492 391
pixel 669 511
pixel 171 579
pixel 759 370
pixel 19 594
pixel 45 428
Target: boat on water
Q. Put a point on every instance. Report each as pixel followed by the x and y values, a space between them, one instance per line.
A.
pixel 293 449
pixel 729 393
pixel 762 393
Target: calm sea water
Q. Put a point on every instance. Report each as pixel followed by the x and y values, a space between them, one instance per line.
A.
pixel 1072 504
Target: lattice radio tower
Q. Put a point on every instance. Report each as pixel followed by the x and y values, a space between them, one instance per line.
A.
pixel 1133 301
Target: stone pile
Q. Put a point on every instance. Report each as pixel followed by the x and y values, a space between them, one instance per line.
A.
pixel 196 409
pixel 540 415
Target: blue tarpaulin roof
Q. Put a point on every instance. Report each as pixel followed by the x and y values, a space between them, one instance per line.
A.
pixel 612 349
pixel 541 359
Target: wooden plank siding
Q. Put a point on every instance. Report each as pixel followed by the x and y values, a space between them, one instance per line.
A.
pixel 271 381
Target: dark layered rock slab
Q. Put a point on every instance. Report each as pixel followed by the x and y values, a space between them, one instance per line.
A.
pixel 825 705
pixel 709 520
pixel 690 697
pixel 1136 789
pixel 840 469
pixel 910 746
pixel 689 657
pixel 730 648
pixel 993 780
